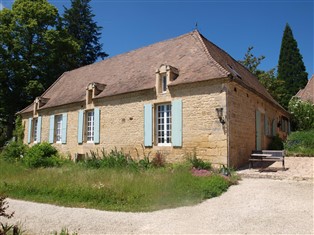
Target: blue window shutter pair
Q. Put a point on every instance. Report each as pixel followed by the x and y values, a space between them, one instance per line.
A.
pixel 96 126
pixel 39 129
pixel 29 134
pixel 176 124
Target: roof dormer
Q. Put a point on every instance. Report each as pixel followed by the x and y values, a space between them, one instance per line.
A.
pixel 164 76
pixel 38 103
pixel 92 90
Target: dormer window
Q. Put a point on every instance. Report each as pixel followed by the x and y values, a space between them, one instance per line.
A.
pixel 164 76
pixel 164 85
pixel 92 90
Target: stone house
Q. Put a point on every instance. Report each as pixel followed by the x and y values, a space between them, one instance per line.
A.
pixel 175 97
pixel 307 94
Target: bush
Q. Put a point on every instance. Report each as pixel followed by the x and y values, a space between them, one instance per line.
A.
pixel 300 143
pixel 302 114
pixel 42 155
pixel 159 160
pixel 14 151
pixel 276 143
pixel 198 163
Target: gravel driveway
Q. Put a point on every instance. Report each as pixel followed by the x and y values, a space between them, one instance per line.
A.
pixel 259 206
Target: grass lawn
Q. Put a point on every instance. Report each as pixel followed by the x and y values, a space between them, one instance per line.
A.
pixel 109 189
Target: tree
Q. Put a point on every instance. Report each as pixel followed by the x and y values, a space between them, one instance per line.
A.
pixel 79 23
pixel 291 68
pixel 30 42
pixel 273 85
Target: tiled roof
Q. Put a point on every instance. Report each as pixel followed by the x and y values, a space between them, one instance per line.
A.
pixel 307 94
pixel 194 56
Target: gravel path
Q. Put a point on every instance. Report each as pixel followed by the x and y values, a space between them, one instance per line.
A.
pixel 255 206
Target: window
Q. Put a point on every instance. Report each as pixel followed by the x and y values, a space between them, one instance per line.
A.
pixel 90 126
pixel 164 125
pixel 58 129
pixel 164 83
pixel 35 124
pixel 167 128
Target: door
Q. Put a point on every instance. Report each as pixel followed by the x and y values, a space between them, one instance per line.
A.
pixel 258 130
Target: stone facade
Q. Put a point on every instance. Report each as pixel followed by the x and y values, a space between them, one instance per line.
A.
pixel 122 123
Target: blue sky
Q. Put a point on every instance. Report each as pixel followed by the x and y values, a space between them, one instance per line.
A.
pixel 232 25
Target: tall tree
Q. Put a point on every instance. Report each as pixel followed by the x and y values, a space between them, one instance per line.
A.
pixel 291 68
pixel 273 85
pixel 79 23
pixel 29 44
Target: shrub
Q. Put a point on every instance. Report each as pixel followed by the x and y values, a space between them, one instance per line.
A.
pixel 300 143
pixel 302 114
pixel 215 186
pixel 14 151
pixel 276 143
pixel 159 160
pixel 42 155
pixel 198 163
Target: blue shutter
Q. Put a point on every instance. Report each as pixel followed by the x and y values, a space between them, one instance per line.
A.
pixel 29 134
pixel 51 129
pixel 64 128
pixel 177 123
pixel 96 125
pixel 148 125
pixel 39 129
pixel 258 131
pixel 80 127
pixel 274 127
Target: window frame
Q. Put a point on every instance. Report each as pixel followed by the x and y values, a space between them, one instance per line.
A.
pixel 58 128
pixel 90 126
pixel 166 124
pixel 35 126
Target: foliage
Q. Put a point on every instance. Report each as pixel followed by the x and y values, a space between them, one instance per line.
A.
pixel 19 129
pixel 6 229
pixel 109 188
pixel 113 159
pixel 198 163
pixel 291 68
pixel 268 79
pixel 64 231
pixel 79 23
pixel 14 151
pixel 276 143
pixel 159 160
pixel 300 143
pixel 3 207
pixel 34 51
pixel 42 155
pixel 302 114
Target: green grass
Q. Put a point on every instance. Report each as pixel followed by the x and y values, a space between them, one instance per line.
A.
pixel 109 189
pixel 300 143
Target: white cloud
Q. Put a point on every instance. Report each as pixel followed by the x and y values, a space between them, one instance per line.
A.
pixel 1 6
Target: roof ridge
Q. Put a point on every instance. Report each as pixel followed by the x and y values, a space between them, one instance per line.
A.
pixel 220 67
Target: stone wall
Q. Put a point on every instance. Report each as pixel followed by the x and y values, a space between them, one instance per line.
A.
pixel 122 123
pixel 242 105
